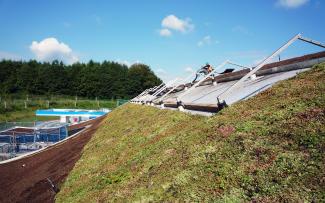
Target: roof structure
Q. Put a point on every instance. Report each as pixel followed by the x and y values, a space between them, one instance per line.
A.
pixel 215 91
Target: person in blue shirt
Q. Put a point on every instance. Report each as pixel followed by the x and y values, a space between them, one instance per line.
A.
pixel 205 70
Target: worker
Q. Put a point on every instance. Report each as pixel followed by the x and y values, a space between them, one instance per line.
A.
pixel 205 70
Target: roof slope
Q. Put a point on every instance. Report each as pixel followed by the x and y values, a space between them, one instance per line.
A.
pixel 268 148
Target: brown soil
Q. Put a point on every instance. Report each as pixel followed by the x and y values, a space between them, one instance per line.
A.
pixel 25 180
pixel 226 130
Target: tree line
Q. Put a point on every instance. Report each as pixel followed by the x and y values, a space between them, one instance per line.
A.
pixel 108 79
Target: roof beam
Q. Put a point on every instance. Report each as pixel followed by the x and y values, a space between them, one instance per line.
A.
pixel 227 92
pixel 314 42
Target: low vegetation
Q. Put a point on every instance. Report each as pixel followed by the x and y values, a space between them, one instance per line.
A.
pixel 269 148
pixel 22 107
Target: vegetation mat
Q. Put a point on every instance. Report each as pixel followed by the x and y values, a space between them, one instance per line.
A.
pixel 269 148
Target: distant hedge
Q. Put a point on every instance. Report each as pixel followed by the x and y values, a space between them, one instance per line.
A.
pixel 92 79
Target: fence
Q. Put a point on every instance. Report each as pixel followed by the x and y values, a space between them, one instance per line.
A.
pixel 21 139
pixel 8 125
pixel 12 103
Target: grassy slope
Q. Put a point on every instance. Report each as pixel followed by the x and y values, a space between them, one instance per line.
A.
pixel 268 148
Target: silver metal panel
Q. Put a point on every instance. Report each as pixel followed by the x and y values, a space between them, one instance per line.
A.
pixel 208 94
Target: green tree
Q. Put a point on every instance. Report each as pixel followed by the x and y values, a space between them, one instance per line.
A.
pixel 141 77
pixel 105 80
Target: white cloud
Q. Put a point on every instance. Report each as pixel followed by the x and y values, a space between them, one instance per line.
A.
pixel 172 22
pixel 165 32
pixel 207 40
pixel 125 62
pixel 291 3
pixel 51 49
pixel 189 70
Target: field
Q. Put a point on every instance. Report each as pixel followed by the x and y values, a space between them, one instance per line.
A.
pixel 269 148
pixel 22 107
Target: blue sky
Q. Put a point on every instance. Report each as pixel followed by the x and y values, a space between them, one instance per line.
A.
pixel 172 36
